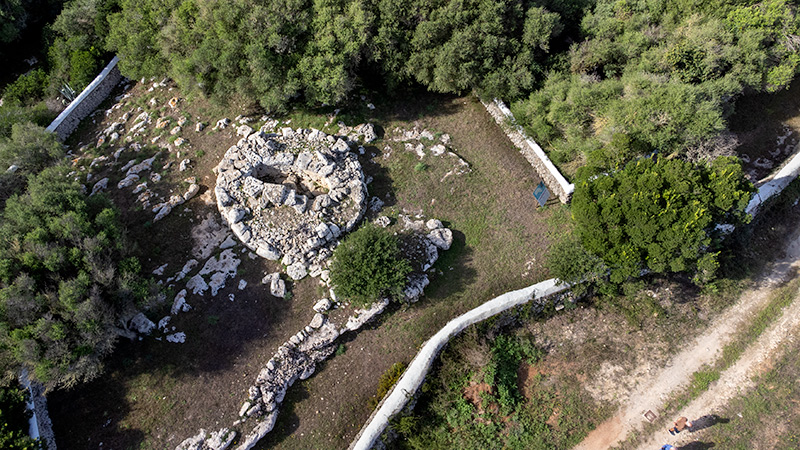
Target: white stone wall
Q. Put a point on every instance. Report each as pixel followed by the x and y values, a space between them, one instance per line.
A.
pixel 554 180
pixel 406 387
pixel 87 101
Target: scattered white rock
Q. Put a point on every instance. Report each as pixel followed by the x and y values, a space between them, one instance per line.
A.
pixel 142 324
pixel 222 124
pixel 128 181
pixel 99 186
pixel 228 243
pixel 317 321
pixel 322 305
pixel 244 131
pixel 160 270
pixel 177 338
pixel 297 271
pixel 433 224
pixel 277 287
pixel 441 237
pixel 197 285
pixel 242 284
pixel 179 304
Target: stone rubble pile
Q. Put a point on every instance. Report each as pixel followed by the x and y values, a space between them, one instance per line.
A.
pixel 415 141
pixel 289 196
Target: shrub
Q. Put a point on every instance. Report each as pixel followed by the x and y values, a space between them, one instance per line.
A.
pixel 27 88
pixel 368 265
pixel 660 215
pixel 38 114
pixel 66 281
pixel 385 383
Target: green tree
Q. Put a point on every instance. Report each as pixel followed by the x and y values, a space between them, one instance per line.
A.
pixel 135 36
pixel 660 215
pixel 26 89
pixel 481 44
pixel 66 280
pixel 368 265
pixel 30 148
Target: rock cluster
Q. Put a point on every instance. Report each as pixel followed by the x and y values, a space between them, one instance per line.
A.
pixel 289 197
pixel 217 440
pixel 295 360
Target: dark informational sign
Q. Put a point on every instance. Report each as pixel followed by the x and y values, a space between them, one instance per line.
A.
pixel 541 194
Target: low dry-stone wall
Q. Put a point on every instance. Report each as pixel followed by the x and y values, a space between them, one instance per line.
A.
pixel 87 101
pixel 289 196
pixel 531 151
pixel 296 359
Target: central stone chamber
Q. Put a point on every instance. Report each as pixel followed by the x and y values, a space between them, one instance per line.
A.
pixel 290 196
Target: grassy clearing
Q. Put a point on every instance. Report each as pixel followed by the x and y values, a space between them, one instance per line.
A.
pixel 500 239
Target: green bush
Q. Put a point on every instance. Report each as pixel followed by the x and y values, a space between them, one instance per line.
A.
pixel 38 114
pixel 368 265
pixel 660 215
pixel 27 89
pixel 385 383
pixel 30 148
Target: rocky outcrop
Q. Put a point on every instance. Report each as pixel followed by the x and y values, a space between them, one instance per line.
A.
pixel 289 196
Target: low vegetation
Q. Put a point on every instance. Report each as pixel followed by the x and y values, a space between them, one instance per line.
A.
pixel 666 74
pixel 654 215
pixel 385 383
pixel 368 265
pixel 478 399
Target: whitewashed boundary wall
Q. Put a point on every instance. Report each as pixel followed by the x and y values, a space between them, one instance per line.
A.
pixel 412 378
pixel 776 183
pixel 87 101
pixel 531 151
pixel 40 426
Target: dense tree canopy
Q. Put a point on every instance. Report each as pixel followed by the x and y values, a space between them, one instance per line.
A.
pixel 660 215
pixel 665 73
pixel 64 280
pixel 320 49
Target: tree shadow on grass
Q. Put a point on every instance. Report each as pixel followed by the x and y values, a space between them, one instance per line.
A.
pixel 697 445
pixel 382 185
pixel 412 104
pixel 288 420
pixel 151 386
pixel 453 274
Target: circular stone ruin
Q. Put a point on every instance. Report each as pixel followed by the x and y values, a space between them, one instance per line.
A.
pixel 290 196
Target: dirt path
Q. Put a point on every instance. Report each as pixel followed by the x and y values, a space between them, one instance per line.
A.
pixel 654 390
